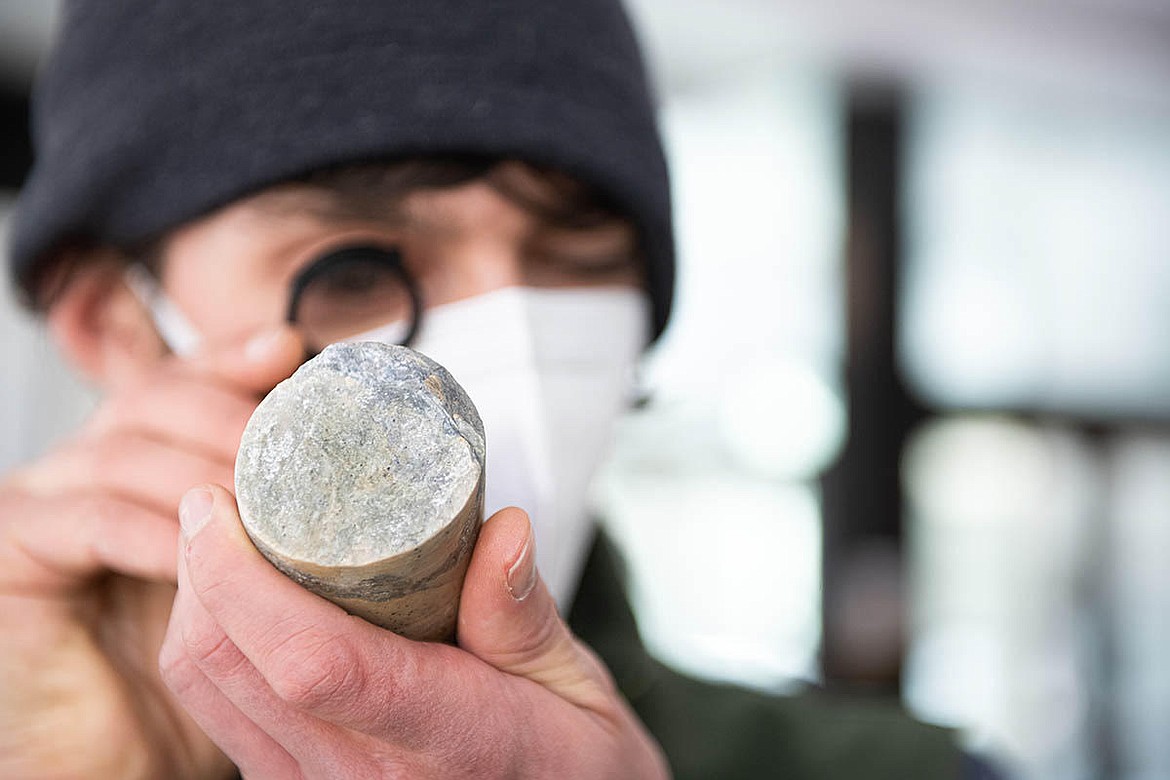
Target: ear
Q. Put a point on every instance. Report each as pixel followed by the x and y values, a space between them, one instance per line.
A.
pixel 99 324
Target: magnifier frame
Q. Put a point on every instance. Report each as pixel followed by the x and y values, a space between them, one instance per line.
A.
pixel 391 257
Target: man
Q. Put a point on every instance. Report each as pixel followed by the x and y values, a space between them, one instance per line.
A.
pixel 489 172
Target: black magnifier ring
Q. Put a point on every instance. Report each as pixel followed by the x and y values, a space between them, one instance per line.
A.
pixel 390 257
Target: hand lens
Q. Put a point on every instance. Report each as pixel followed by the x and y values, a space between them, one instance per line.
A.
pixel 354 290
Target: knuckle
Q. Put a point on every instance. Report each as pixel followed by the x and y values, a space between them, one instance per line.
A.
pixel 536 640
pixel 213 586
pixel 178 671
pixel 318 673
pixel 213 651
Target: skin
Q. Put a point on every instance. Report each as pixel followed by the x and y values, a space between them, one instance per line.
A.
pixel 119 658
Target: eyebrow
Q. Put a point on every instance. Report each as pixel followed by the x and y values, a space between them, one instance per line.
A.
pixel 378 192
pixel 329 204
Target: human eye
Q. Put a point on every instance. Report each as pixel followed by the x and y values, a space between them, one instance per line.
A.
pixel 598 256
pixel 351 290
pixel 590 266
pixel 355 280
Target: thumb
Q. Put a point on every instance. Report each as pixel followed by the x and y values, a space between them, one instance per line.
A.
pixel 508 619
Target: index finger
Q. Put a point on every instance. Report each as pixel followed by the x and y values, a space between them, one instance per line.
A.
pixel 255 366
pixel 312 653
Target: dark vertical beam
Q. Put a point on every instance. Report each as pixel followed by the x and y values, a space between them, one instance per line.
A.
pixel 1104 716
pixel 15 147
pixel 862 492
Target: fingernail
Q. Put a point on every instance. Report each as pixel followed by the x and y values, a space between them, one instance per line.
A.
pixel 195 510
pixel 522 573
pixel 262 346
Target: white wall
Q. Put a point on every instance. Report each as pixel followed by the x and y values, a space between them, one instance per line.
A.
pixel 40 399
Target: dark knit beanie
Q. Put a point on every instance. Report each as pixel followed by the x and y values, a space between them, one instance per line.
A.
pixel 153 112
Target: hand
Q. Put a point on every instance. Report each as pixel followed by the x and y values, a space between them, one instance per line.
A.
pixel 290 686
pixel 87 571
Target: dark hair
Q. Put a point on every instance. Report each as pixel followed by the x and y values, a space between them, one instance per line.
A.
pixel 554 197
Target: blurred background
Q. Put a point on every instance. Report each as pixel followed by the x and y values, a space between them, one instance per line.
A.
pixel 910 429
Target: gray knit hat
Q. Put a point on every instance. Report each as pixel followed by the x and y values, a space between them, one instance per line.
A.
pixel 153 112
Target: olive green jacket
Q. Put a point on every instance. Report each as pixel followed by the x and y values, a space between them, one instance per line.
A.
pixel 718 731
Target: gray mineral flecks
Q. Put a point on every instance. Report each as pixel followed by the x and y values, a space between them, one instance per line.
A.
pixel 367 451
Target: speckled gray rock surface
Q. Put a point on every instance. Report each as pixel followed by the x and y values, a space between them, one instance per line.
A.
pixel 365 453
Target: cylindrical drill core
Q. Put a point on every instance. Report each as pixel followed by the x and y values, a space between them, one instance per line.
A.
pixel 361 477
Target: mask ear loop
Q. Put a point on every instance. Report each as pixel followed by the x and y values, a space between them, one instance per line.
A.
pixel 173 327
pixel 387 256
pixel 642 396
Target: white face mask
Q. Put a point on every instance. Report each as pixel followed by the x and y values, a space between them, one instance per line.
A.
pixel 550 371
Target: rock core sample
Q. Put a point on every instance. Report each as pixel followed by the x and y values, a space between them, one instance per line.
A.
pixel 361 477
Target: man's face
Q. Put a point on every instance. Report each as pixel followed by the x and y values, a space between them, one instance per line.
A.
pixel 550 371
pixel 231 272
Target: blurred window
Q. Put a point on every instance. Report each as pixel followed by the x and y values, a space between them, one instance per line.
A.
pixel 712 488
pixel 1038 285
pixel 1039 256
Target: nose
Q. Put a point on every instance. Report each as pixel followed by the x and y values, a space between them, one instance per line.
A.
pixel 477 265
pixel 477 247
